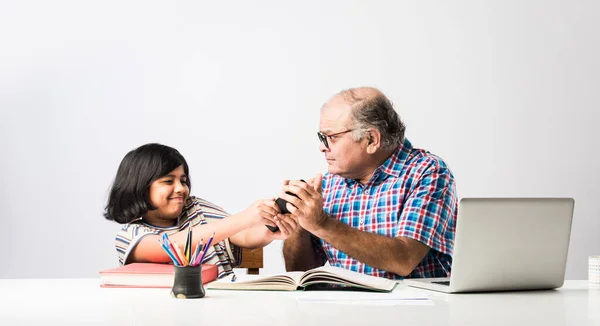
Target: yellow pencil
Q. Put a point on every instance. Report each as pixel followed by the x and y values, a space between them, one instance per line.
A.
pixel 188 243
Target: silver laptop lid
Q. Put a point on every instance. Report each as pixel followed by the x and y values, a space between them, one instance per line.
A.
pixel 511 243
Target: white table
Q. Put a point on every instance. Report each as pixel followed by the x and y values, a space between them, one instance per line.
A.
pixel 83 302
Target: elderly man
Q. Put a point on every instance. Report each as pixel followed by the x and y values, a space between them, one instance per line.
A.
pixel 384 208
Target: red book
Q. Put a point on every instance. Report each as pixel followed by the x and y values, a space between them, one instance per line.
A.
pixel 148 275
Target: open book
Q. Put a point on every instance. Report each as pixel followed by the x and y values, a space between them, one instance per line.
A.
pixel 334 277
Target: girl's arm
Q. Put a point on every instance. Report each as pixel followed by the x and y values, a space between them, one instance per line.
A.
pixel 245 229
pixel 260 236
pixel 149 250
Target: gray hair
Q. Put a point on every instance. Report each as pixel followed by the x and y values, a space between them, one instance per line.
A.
pixel 372 109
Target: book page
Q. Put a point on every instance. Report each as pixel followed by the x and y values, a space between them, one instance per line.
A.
pixel 285 282
pixel 337 275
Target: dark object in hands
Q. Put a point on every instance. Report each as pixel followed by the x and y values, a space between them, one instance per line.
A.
pixel 272 228
pixel 281 204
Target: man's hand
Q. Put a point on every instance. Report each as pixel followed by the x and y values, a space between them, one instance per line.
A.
pixel 307 208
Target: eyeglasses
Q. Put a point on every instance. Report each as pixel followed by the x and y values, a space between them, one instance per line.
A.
pixel 323 137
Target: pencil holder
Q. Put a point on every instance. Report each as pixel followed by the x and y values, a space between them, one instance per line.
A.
pixel 188 283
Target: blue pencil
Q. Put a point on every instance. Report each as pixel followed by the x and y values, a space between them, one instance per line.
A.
pixel 166 249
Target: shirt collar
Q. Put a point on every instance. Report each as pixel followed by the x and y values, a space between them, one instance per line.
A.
pixel 393 165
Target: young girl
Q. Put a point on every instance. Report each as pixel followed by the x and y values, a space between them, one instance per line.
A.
pixel 150 196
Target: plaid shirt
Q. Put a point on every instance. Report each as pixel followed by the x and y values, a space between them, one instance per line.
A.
pixel 412 194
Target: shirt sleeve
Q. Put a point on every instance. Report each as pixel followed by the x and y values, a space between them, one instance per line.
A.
pixel 128 237
pixel 429 213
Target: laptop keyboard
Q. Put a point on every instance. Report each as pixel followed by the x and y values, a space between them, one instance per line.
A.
pixel 441 282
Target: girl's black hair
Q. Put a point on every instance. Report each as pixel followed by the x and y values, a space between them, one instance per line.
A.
pixel 128 199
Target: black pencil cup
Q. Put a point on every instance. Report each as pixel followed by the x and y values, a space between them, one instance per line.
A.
pixel 188 283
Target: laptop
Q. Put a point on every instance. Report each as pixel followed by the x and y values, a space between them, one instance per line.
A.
pixel 507 244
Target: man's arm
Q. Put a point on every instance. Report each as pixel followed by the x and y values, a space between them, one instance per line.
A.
pixel 427 210
pixel 299 252
pixel 397 255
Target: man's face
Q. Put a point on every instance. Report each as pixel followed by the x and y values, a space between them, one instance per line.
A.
pixel 345 156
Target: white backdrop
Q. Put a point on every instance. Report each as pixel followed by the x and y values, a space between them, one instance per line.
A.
pixel 505 91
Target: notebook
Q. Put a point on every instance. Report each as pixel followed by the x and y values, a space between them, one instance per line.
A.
pixel 324 277
pixel 148 275
pixel 505 244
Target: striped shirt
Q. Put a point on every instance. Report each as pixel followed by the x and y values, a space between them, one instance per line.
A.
pixel 412 194
pixel 196 211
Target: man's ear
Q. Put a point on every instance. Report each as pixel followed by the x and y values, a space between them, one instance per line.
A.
pixel 373 140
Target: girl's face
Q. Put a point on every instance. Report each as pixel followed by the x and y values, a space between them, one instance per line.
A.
pixel 168 194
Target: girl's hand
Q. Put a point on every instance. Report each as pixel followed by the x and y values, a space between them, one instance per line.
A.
pixel 262 212
pixel 287 224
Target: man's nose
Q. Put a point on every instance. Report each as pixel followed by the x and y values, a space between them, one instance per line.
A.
pixel 322 147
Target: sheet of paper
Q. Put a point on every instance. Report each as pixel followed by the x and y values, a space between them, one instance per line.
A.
pixel 400 296
pixel 401 302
